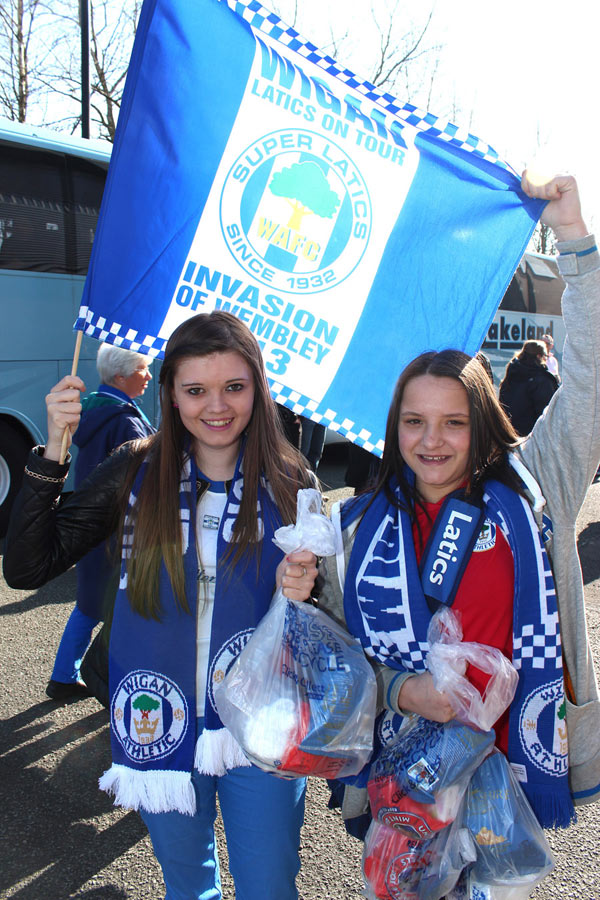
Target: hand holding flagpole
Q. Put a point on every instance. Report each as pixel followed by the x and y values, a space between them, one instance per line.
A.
pixel 64 410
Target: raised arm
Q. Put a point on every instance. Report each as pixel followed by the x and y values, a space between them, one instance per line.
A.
pixel 564 447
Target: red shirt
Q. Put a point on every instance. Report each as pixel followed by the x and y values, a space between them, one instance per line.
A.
pixel 484 600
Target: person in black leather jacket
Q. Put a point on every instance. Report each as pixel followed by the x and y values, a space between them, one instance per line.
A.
pixel 195 507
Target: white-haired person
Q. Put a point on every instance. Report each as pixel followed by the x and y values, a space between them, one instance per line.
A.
pixel 110 417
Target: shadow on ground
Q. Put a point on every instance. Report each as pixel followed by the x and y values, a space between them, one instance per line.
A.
pixel 58 829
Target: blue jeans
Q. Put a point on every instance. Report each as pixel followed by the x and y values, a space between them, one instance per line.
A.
pixel 73 644
pixel 262 815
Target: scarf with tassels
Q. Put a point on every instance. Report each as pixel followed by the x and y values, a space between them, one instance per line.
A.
pixel 385 607
pixel 152 665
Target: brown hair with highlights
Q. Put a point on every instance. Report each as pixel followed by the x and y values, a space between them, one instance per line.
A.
pixel 157 533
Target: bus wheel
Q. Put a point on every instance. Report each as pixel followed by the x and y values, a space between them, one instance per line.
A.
pixel 14 448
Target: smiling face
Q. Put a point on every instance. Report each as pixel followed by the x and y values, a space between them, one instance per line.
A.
pixel 434 434
pixel 215 396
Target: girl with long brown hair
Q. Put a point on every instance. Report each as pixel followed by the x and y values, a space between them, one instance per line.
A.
pixel 196 506
pixel 462 515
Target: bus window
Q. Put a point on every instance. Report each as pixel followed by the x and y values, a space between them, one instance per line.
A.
pixel 51 188
pixel 32 211
pixel 49 207
pixel 86 186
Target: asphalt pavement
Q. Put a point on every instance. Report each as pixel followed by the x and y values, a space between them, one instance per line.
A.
pixel 61 837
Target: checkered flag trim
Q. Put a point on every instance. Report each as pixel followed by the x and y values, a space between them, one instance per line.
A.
pixel 101 329
pixel 304 406
pixel 261 19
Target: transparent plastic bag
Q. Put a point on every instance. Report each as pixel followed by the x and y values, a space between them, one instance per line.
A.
pixel 313 531
pixel 300 698
pixel 513 855
pixel 397 867
pixel 417 782
pixel 447 661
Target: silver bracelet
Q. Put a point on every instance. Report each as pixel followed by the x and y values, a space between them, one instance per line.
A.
pixel 45 477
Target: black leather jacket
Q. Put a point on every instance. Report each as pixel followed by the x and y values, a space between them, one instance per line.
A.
pixel 48 533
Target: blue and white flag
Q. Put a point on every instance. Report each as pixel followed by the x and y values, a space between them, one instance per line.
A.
pixel 254 174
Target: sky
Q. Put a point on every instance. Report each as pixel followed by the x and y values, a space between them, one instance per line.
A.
pixel 522 75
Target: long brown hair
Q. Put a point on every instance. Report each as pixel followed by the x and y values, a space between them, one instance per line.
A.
pixel 492 433
pixel 157 533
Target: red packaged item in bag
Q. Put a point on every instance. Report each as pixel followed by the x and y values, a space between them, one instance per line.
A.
pixel 300 762
pixel 396 867
pixel 394 808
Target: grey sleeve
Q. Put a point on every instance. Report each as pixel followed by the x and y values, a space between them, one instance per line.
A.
pixel 563 449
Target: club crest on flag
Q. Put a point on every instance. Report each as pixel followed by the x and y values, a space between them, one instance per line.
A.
pixel 149 715
pixel 295 211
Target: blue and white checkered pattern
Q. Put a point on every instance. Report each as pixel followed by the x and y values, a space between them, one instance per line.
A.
pixel 538 644
pixel 120 335
pixel 412 657
pixel 304 406
pixel 261 19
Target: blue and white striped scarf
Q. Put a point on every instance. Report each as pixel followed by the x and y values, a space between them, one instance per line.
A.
pixel 385 608
pixel 155 737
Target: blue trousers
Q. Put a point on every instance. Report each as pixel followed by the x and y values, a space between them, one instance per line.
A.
pixel 73 644
pixel 262 815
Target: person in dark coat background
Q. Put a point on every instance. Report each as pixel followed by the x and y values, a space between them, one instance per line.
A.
pixel 527 386
pixel 110 417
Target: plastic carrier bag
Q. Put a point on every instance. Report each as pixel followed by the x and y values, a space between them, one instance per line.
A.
pixel 513 855
pixel 397 867
pixel 447 661
pixel 417 782
pixel 300 698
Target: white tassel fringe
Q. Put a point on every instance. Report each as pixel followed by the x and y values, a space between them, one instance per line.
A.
pixel 155 791
pixel 218 751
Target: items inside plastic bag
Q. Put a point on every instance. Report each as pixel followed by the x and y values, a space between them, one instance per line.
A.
pixel 300 698
pixel 397 867
pixel 447 661
pixel 418 780
pixel 513 855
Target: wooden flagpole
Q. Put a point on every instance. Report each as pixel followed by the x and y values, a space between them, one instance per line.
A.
pixel 64 446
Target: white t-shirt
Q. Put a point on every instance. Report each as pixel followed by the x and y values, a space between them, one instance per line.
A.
pixel 210 509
